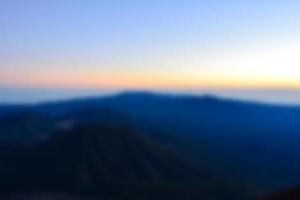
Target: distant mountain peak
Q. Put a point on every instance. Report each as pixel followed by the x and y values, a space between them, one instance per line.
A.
pixel 141 94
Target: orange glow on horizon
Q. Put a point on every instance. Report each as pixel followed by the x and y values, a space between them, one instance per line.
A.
pixel 146 81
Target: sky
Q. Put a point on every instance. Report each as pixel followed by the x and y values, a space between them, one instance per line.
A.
pixel 64 48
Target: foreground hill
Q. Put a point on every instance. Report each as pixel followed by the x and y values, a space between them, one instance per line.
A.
pixel 287 194
pixel 109 161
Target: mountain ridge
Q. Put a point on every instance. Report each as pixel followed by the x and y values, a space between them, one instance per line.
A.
pixel 251 144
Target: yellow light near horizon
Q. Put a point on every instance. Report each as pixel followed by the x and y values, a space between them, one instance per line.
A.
pixel 226 79
pixel 264 66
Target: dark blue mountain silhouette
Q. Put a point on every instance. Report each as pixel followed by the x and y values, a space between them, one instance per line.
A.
pixel 253 144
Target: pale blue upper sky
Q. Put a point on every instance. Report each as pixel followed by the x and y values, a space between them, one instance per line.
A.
pixel 149 44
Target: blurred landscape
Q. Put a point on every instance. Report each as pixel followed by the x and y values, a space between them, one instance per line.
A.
pixel 142 145
pixel 149 100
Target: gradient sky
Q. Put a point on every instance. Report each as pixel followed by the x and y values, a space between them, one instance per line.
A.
pixel 149 44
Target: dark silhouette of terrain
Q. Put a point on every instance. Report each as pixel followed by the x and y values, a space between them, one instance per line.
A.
pixel 181 146
pixel 108 161
pixel 289 194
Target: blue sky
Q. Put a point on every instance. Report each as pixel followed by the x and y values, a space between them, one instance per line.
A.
pixel 175 45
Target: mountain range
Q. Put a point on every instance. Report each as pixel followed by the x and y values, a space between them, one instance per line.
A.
pixel 148 146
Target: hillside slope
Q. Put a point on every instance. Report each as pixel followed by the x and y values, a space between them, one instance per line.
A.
pixel 110 160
